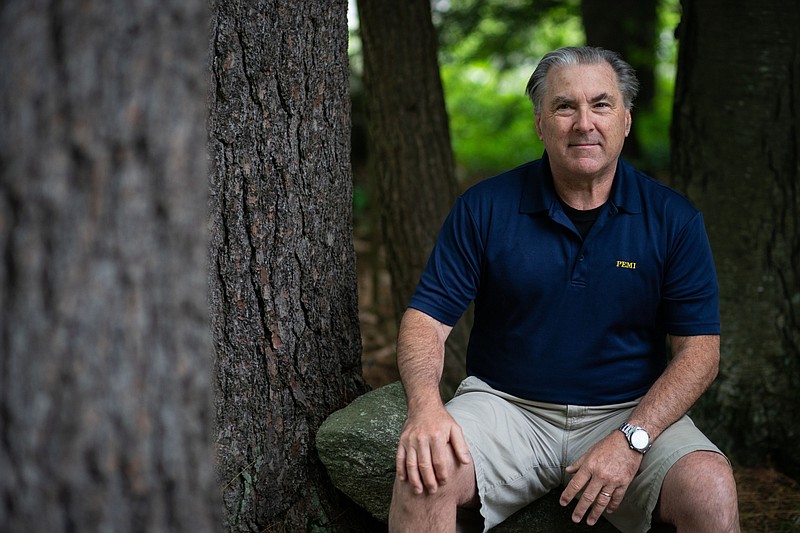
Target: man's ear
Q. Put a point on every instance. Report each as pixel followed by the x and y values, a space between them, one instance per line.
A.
pixel 538 123
pixel 628 122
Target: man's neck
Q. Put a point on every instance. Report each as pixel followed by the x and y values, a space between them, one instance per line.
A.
pixel 583 193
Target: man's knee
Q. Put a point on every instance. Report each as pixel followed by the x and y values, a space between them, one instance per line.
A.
pixel 411 511
pixel 460 490
pixel 700 489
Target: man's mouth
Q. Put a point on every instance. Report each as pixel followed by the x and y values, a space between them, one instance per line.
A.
pixel 583 144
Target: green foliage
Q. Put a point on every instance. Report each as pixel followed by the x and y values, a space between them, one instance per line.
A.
pixel 491 119
pixel 488 49
pixel 506 32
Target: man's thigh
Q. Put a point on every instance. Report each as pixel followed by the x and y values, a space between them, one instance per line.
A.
pixel 516 455
pixel 520 453
pixel 677 441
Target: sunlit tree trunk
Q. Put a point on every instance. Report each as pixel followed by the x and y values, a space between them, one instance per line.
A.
pixel 736 152
pixel 282 267
pixel 105 371
pixel 410 152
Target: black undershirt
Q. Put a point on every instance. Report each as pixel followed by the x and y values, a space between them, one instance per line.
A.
pixel 583 220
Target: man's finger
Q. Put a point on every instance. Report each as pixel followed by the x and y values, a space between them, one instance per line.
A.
pixel 600 504
pixel 585 502
pixel 400 463
pixel 443 463
pixel 574 486
pixel 425 468
pixel 616 499
pixel 412 470
pixel 459 445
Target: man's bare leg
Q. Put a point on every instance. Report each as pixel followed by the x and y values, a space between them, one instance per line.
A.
pixel 413 512
pixel 699 495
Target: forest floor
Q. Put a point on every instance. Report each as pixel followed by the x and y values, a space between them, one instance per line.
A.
pixel 769 501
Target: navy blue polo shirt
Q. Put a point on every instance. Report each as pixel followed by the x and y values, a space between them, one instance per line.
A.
pixel 561 319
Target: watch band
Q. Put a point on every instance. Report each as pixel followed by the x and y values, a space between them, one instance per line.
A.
pixel 638 437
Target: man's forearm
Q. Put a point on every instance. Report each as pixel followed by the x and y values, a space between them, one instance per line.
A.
pixel 420 357
pixel 694 365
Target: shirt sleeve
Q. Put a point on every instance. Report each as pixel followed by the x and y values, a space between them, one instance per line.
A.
pixel 690 303
pixel 451 278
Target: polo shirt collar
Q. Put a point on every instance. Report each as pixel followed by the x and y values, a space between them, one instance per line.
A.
pixel 625 193
pixel 539 194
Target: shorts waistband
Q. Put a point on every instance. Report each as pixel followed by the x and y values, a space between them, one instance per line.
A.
pixel 474 384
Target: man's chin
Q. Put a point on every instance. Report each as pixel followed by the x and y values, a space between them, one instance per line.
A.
pixel 587 166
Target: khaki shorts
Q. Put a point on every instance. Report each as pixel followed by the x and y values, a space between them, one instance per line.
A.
pixel 521 448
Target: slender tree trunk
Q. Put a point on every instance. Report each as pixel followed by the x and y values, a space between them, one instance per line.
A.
pixel 105 389
pixel 282 268
pixel 410 153
pixel 736 152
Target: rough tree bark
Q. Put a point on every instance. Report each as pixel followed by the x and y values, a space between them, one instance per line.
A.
pixel 282 263
pixel 105 374
pixel 410 153
pixel 737 154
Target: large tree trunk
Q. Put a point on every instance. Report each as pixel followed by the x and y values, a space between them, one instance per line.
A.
pixel 737 147
pixel 282 269
pixel 105 389
pixel 410 152
pixel 629 28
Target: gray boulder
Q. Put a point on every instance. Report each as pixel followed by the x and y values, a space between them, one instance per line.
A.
pixel 357 445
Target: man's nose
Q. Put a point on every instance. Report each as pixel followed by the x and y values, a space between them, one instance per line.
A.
pixel 583 120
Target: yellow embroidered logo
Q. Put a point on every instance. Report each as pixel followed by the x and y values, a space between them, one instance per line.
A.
pixel 626 264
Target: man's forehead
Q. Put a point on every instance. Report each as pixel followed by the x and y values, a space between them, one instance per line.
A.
pixel 596 80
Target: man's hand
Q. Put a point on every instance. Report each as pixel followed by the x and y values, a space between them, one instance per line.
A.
pixel 603 473
pixel 430 446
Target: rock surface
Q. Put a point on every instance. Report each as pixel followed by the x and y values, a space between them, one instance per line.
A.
pixel 357 445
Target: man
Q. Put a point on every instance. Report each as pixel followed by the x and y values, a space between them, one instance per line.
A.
pixel 580 268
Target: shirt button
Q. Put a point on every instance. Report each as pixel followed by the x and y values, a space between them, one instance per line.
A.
pixel 580 258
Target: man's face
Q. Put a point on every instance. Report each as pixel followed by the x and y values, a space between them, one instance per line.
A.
pixel 583 121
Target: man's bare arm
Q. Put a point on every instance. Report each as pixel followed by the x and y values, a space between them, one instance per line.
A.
pixel 420 357
pixel 692 369
pixel 430 435
pixel 607 468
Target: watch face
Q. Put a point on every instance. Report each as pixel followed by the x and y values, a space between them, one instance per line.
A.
pixel 640 439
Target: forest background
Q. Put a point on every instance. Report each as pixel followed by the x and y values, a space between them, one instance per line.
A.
pixel 173 333
pixel 486 52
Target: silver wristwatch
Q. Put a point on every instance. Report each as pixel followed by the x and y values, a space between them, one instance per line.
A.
pixel 638 437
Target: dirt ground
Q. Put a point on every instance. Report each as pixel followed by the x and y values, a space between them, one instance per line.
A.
pixel 768 500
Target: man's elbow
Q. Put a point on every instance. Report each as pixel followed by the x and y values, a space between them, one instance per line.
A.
pixel 713 365
pixel 713 371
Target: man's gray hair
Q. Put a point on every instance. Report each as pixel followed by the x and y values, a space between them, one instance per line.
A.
pixel 582 55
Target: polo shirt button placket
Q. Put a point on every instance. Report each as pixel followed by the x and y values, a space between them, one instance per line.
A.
pixel 579 273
